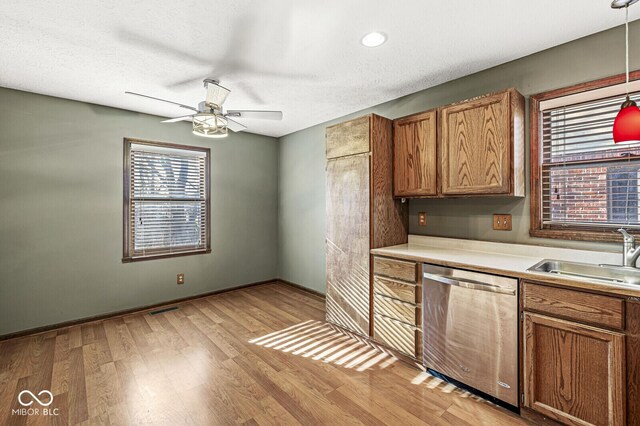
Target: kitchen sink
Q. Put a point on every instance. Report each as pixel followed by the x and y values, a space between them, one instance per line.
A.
pixel 611 274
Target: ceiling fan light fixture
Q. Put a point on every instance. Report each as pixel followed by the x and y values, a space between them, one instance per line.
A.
pixel 209 120
pixel 216 94
pixel 210 125
pixel 373 39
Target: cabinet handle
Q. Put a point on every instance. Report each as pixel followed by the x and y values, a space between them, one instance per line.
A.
pixel 470 284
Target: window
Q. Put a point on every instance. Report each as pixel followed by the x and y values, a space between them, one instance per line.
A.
pixel 166 200
pixel 583 186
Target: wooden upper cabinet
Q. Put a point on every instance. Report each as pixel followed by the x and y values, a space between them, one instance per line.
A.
pixel 348 138
pixel 574 373
pixel 414 155
pixel 482 146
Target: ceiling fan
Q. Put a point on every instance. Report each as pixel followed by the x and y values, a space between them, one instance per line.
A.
pixel 209 118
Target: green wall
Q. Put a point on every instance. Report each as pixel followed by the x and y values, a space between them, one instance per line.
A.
pixel 61 195
pixel 302 161
pixel 61 213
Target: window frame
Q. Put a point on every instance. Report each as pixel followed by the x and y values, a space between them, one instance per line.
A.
pixel 126 249
pixel 565 232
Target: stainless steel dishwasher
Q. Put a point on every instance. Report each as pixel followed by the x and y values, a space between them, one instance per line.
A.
pixel 470 329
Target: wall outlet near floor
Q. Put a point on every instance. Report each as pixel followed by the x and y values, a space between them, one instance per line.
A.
pixel 180 279
pixel 502 222
pixel 422 219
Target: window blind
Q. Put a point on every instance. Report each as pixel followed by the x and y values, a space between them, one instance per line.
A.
pixel 167 200
pixel 586 179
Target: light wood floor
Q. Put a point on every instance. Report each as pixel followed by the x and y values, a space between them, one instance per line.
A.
pixel 260 355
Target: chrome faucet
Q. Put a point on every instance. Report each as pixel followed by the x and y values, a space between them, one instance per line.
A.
pixel 630 252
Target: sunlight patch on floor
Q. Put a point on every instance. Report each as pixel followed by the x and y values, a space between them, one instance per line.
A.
pixel 427 379
pixel 324 342
pixel 420 378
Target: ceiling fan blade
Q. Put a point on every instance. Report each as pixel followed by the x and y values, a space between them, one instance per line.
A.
pixel 163 100
pixel 186 82
pixel 252 114
pixel 235 126
pixel 155 46
pixel 173 120
pixel 250 92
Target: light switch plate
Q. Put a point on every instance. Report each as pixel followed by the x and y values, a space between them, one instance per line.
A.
pixel 422 219
pixel 502 222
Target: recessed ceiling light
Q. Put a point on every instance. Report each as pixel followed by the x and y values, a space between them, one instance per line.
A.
pixel 373 39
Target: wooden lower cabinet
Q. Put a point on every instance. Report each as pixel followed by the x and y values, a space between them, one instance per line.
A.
pixel 632 309
pixel 574 373
pixel 397 307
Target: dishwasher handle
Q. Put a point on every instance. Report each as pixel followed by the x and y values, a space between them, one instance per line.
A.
pixel 470 284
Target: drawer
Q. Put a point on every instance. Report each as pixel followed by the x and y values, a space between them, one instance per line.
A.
pixel 397 335
pixel 393 268
pixel 406 292
pixel 409 313
pixel 574 305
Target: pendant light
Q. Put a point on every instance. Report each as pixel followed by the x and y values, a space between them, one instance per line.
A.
pixel 626 127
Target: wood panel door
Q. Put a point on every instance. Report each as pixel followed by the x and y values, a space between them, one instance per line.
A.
pixel 414 155
pixel 349 138
pixel 574 373
pixel 389 216
pixel 348 242
pixel 476 146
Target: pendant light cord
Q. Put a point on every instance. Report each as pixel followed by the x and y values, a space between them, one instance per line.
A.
pixel 626 27
pixel 626 46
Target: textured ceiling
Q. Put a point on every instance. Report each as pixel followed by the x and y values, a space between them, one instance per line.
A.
pixel 301 57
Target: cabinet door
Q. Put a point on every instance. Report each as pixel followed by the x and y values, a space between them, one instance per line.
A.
pixel 476 146
pixel 349 138
pixel 414 155
pixel 574 373
pixel 348 242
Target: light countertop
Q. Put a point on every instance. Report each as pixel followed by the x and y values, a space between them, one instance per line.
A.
pixel 505 259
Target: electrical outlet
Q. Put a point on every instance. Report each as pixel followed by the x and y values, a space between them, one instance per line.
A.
pixel 502 222
pixel 180 279
pixel 422 219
